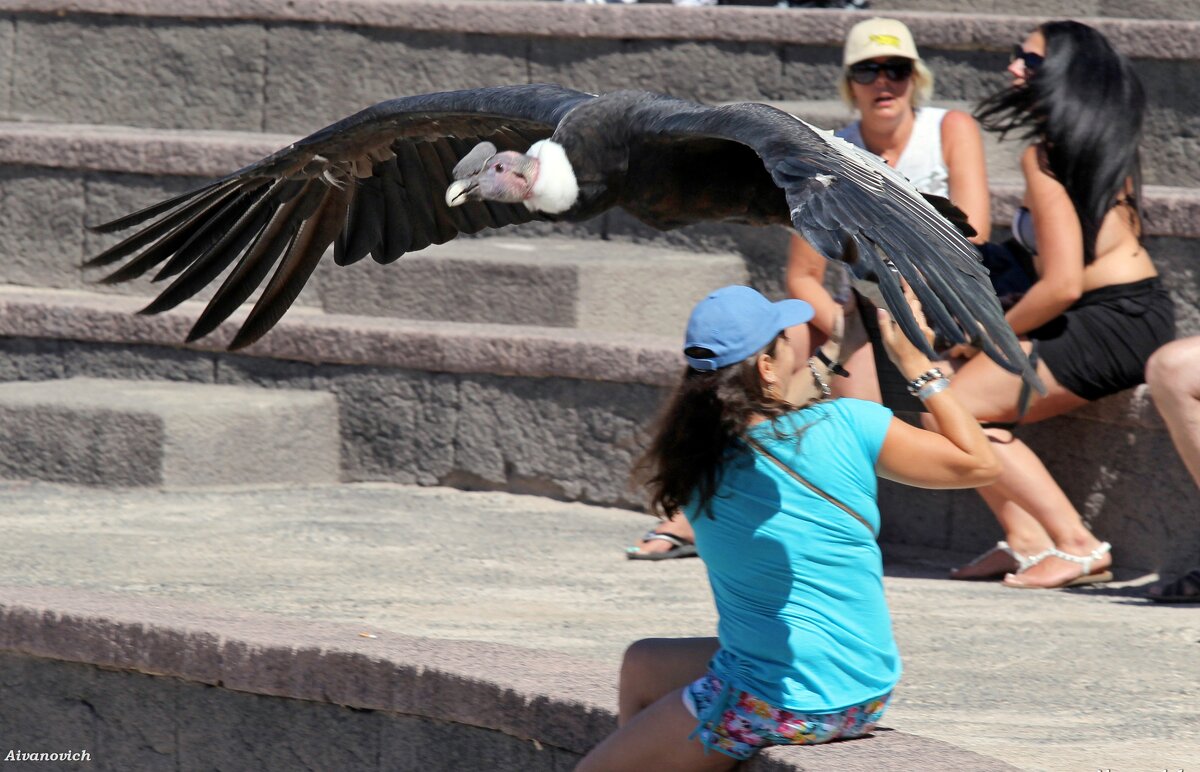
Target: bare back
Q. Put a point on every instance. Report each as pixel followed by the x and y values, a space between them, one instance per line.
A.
pixel 1120 259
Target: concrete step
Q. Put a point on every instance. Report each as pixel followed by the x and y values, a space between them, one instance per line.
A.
pixel 586 284
pixel 117 433
pixel 243 65
pixel 1181 10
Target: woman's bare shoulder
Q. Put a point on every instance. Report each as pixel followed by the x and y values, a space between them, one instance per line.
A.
pixel 956 121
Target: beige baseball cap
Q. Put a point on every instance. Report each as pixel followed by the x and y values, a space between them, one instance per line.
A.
pixel 878 37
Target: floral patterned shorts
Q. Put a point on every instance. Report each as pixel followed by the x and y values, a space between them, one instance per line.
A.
pixel 749 724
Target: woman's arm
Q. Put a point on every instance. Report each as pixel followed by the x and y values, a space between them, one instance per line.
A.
pixel 1059 245
pixel 958 455
pixel 962 150
pixel 805 280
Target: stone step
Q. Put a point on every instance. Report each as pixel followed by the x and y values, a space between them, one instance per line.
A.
pixel 587 284
pixel 1181 10
pixel 245 65
pixel 93 431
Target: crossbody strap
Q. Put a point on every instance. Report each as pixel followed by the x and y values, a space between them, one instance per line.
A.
pixel 800 479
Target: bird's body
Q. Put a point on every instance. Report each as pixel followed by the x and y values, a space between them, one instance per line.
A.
pixel 415 171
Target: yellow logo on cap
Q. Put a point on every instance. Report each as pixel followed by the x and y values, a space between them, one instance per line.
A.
pixel 886 40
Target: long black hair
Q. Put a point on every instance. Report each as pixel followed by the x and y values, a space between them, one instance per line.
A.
pixel 1084 106
pixel 699 430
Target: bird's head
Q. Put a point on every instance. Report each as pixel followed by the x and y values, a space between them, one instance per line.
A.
pixel 485 175
pixel 542 178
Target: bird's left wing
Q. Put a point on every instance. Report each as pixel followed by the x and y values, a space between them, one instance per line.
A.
pixel 372 183
pixel 848 205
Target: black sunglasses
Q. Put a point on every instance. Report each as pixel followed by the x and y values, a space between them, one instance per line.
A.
pixel 1032 61
pixel 896 70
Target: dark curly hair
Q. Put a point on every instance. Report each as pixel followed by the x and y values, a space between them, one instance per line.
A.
pixel 1084 106
pixel 699 430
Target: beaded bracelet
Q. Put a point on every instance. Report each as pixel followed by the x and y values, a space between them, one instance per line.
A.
pixel 930 375
pixel 933 387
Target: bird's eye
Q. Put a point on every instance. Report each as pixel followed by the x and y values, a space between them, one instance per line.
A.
pixel 499 167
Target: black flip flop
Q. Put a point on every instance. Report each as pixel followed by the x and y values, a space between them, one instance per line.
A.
pixel 679 548
pixel 1185 589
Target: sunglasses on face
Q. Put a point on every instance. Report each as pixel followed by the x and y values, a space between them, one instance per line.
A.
pixel 896 70
pixel 1031 61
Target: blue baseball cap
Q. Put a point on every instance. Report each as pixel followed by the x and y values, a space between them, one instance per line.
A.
pixel 734 322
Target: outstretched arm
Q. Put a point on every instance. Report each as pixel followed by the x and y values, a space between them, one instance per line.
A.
pixel 958 455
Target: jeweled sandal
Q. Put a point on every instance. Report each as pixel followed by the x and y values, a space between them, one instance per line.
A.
pixel 1085 568
pixel 1024 562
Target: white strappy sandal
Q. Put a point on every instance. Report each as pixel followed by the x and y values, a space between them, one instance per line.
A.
pixel 1085 568
pixel 1024 562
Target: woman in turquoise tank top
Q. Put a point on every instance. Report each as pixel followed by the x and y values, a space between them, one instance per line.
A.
pixel 779 483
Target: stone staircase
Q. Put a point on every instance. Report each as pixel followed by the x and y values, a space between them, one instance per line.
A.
pixel 532 360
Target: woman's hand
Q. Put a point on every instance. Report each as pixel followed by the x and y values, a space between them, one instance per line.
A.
pixel 908 358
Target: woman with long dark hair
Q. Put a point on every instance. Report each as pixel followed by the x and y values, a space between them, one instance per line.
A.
pixel 781 490
pixel 1097 309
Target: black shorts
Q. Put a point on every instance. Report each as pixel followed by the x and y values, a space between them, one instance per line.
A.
pixel 1100 345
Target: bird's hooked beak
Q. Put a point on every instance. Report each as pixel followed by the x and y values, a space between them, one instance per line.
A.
pixel 506 177
pixel 459 192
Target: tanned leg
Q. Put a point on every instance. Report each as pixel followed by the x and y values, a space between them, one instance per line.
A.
pixel 653 725
pixel 1026 491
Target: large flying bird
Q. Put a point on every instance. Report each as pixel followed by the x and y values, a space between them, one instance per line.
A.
pixel 419 170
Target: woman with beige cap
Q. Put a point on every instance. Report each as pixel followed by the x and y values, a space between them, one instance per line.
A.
pixel 939 151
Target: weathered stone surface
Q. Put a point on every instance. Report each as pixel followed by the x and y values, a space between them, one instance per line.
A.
pixel 528 437
pixel 279 706
pixel 593 284
pixel 117 362
pixel 320 74
pixel 7 54
pixel 270 733
pixel 41 238
pixel 704 70
pixel 25 359
pixel 397 425
pixel 59 444
pixel 149 72
pixel 104 432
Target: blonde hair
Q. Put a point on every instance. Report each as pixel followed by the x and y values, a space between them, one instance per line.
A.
pixel 922 85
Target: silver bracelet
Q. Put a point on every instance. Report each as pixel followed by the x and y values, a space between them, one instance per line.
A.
pixel 933 387
pixel 931 374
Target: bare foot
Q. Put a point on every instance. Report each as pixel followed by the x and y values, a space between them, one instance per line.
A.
pixel 1066 569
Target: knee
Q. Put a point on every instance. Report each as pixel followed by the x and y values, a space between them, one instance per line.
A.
pixel 1172 372
pixel 639 658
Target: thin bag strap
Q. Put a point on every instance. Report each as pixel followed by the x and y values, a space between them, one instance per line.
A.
pixel 758 446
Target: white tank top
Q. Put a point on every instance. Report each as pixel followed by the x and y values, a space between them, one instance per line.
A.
pixel 921 161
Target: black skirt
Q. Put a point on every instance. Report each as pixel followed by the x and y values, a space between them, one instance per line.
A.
pixel 1100 345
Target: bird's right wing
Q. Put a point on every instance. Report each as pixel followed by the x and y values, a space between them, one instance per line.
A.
pixel 847 205
pixel 372 183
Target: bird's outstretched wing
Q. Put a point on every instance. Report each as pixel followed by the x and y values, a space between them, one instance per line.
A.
pixel 372 183
pixel 845 203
